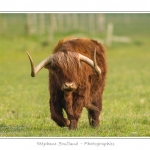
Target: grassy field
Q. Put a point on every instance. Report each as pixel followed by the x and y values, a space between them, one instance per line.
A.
pixel 24 101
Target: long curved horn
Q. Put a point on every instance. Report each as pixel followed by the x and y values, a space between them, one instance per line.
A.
pixel 35 70
pixel 91 63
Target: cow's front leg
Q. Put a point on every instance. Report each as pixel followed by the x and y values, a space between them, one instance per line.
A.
pixel 77 110
pixel 69 109
pixel 57 115
pixel 73 109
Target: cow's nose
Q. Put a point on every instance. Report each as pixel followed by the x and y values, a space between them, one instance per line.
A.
pixel 68 86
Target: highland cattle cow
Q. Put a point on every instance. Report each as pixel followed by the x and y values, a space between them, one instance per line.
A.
pixel 77 73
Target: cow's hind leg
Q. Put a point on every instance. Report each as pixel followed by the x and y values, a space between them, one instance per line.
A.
pixel 57 115
pixel 93 115
pixel 93 118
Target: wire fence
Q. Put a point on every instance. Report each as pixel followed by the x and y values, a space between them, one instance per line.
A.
pixel 111 27
pixel 34 23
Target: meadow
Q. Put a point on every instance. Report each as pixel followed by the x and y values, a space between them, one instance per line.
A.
pixel 24 101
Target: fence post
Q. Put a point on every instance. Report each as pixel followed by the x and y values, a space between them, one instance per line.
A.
pixel 68 22
pixel 60 22
pixel 34 23
pixel 75 21
pixel 101 22
pixel 42 23
pixel 3 24
pixel 91 23
pixel 28 25
pixel 109 34
pixel 52 27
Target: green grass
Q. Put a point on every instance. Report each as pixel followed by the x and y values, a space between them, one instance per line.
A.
pixel 24 100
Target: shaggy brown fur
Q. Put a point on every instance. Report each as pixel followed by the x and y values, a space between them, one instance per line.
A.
pixel 87 86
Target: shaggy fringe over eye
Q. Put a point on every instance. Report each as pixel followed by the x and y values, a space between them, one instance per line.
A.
pixel 69 61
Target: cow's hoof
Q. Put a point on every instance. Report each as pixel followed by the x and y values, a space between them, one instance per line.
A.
pixel 67 122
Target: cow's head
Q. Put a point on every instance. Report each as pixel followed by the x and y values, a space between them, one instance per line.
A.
pixel 65 66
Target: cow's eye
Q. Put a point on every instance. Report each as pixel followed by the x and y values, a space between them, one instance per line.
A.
pixel 57 70
pixel 52 68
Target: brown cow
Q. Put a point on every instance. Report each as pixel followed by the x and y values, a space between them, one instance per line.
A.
pixel 75 80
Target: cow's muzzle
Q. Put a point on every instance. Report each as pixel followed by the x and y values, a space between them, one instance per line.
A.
pixel 68 86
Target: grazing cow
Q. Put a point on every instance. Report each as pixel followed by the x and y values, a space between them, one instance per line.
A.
pixel 77 72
